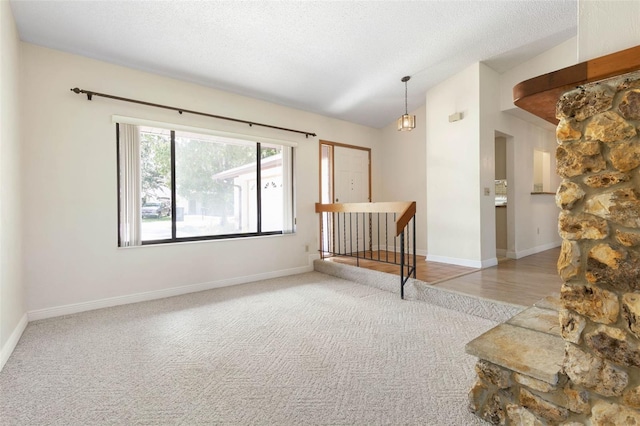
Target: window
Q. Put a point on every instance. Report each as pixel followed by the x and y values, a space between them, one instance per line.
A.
pixel 179 185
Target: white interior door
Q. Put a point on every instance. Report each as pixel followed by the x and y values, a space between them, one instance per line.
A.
pixel 351 173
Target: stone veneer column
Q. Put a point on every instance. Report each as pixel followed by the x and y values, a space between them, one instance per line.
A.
pixel 577 361
pixel 598 158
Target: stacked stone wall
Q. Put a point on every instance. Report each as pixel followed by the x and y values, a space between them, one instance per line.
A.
pixel 598 157
pixel 504 397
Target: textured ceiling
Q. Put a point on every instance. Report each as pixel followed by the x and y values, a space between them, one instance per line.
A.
pixel 342 59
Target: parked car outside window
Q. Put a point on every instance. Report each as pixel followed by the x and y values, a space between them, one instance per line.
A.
pixel 156 209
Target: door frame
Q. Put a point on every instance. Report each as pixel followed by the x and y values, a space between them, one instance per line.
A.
pixel 332 146
pixel 332 171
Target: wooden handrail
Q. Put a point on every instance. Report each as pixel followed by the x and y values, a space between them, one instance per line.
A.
pixel 406 210
pixel 405 217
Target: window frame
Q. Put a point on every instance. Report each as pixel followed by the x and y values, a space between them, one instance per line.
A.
pixel 246 138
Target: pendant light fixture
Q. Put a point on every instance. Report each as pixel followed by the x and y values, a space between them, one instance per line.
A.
pixel 406 122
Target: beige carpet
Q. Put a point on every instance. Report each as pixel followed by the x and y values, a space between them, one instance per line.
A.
pixel 306 349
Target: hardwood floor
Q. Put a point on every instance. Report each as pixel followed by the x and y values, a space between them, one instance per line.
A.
pixel 431 272
pixel 522 282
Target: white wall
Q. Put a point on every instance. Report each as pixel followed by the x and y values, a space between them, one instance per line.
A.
pixel 489 110
pixel 606 26
pixel 460 163
pixel 453 170
pixel 13 317
pixel 69 174
pixel 400 158
pixel 561 56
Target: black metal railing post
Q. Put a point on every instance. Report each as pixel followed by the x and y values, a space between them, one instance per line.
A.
pixel 357 241
pixel 402 265
pixel 415 265
pixel 322 217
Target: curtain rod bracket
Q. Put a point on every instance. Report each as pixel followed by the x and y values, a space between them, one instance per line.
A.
pixel 90 94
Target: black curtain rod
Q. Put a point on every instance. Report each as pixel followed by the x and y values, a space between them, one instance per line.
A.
pixel 91 94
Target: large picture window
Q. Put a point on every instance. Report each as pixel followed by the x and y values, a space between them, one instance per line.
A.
pixel 177 185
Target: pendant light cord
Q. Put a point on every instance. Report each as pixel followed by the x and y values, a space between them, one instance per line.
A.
pixel 404 80
pixel 406 108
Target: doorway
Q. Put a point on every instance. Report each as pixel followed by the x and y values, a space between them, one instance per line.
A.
pixel 501 206
pixel 345 173
pixel 505 209
pixel 345 177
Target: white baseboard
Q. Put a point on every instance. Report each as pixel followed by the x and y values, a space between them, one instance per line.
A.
pixel 528 252
pixel 419 252
pixel 455 261
pixel 75 308
pixel 487 263
pixel 7 349
pixel 494 261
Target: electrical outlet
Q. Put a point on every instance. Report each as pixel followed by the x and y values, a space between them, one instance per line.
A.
pixel 306 248
pixel 538 231
pixel 487 192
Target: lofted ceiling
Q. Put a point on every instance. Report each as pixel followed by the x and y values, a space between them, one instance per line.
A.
pixel 341 59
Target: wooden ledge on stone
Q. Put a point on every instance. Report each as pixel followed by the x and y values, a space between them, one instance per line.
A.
pixel 529 343
pixel 539 95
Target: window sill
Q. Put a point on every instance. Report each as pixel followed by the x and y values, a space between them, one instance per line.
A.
pixel 217 240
